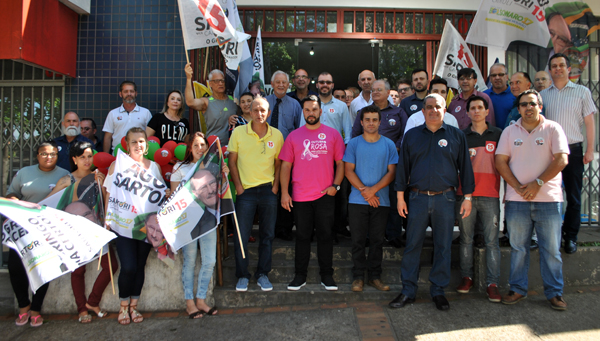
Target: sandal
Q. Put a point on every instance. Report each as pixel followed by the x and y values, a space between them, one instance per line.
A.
pixel 23 319
pixel 85 319
pixel 211 312
pixel 135 315
pixel 196 315
pixel 124 315
pixel 36 321
pixel 101 313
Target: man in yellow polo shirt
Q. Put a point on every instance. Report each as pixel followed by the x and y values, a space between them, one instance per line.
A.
pixel 254 164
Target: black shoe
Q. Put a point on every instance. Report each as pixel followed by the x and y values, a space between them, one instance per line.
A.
pixel 343 232
pixel 570 246
pixel 401 301
pixel 534 245
pixel 441 302
pixel 329 283
pixel 297 283
pixel 284 236
pixel 397 243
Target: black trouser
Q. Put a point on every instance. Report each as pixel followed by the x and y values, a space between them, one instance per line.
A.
pixel 572 176
pixel 133 254
pixel 341 207
pixel 285 219
pixel 310 215
pixel 365 219
pixel 20 283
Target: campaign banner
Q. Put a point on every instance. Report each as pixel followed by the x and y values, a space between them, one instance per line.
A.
pixel 198 203
pixel 50 242
pixel 453 55
pixel 258 76
pixel 134 192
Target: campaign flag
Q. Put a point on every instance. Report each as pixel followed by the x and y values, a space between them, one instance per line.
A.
pixel 453 55
pixel 198 203
pixel 238 79
pixel 50 242
pixel 258 76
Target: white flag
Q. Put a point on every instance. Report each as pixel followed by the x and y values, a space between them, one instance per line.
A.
pixel 259 66
pixel 50 242
pixel 498 23
pixel 453 55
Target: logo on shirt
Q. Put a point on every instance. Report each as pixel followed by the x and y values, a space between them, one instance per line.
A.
pixel 539 141
pixel 442 143
pixel 472 152
pixel 413 107
pixel 331 110
pixel 119 118
pixel 512 122
pixel 490 147
pixel 59 148
pixel 322 136
pixel 181 124
pixel 457 108
pixel 271 144
pixel 312 149
pixel 392 122
pixel 518 142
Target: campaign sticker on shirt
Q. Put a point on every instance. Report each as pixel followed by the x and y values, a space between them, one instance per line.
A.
pixel 457 108
pixel 392 122
pixel 518 142
pixel 331 110
pixel 322 136
pixel 119 118
pixel 490 146
pixel 51 186
pixel 472 152
pixel 59 148
pixel 539 141
pixel 271 144
pixel 512 122
pixel 413 107
pixel 442 143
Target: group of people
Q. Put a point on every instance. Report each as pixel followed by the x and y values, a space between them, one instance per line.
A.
pixel 377 163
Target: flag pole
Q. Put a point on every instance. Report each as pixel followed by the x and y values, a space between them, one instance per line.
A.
pixel 237 226
pixel 112 281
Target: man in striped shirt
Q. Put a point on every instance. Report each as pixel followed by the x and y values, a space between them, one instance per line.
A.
pixel 571 105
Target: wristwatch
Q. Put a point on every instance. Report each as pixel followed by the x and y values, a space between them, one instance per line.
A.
pixel 540 182
pixel 468 198
pixel 337 187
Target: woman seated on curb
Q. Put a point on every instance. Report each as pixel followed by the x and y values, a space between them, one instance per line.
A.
pixel 81 159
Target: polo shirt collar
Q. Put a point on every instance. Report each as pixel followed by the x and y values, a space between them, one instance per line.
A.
pixel 414 97
pixel 542 121
pixel 506 91
pixel 122 108
pixel 250 131
pixel 444 126
pixel 475 93
pixel 470 130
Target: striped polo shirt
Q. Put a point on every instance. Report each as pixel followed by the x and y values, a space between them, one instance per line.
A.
pixel 482 151
pixel 568 107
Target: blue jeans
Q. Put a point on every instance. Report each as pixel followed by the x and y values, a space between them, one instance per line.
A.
pixel 572 176
pixel 393 229
pixel 488 211
pixel 425 210
pixel 522 218
pixel 208 250
pixel 262 200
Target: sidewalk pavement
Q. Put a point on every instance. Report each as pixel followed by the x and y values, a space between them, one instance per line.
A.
pixel 471 317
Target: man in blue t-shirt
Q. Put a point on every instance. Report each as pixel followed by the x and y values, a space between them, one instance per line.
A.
pixel 370 166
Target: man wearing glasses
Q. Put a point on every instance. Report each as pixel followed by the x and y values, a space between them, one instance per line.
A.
pixel 467 79
pixel 404 89
pixel 301 83
pixel 71 134
pixel 530 156
pixel 217 108
pixel 89 129
pixel 500 93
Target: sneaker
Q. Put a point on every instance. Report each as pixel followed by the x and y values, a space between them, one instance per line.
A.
pixel 297 283
pixel 264 283
pixel 328 283
pixel 242 284
pixel 465 285
pixel 493 293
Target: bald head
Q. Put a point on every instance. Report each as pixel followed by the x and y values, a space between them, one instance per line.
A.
pixel 70 124
pixel 365 80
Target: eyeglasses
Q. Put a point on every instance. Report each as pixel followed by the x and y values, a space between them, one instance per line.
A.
pixel 301 77
pixel 494 75
pixel 462 79
pixel 50 155
pixel 404 89
pixel 325 82
pixel 526 104
pixel 218 81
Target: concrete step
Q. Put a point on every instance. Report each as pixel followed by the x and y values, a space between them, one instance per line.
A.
pixel 311 293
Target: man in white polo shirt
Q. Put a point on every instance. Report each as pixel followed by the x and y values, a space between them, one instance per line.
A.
pixel 571 105
pixel 530 156
pixel 125 117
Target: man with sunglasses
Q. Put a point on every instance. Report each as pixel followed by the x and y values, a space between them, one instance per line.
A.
pixel 572 106
pixel 89 129
pixel 467 79
pixel 217 108
pixel 404 89
pixel 301 82
pixel 530 156
pixel 500 93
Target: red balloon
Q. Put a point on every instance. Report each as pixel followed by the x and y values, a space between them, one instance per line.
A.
pixel 163 156
pixel 166 171
pixel 153 139
pixel 124 143
pixel 211 139
pixel 103 160
pixel 103 171
pixel 170 145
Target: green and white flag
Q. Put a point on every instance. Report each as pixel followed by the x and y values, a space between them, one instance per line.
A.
pixel 258 75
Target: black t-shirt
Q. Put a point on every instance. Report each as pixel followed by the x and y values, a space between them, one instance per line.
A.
pixel 167 130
